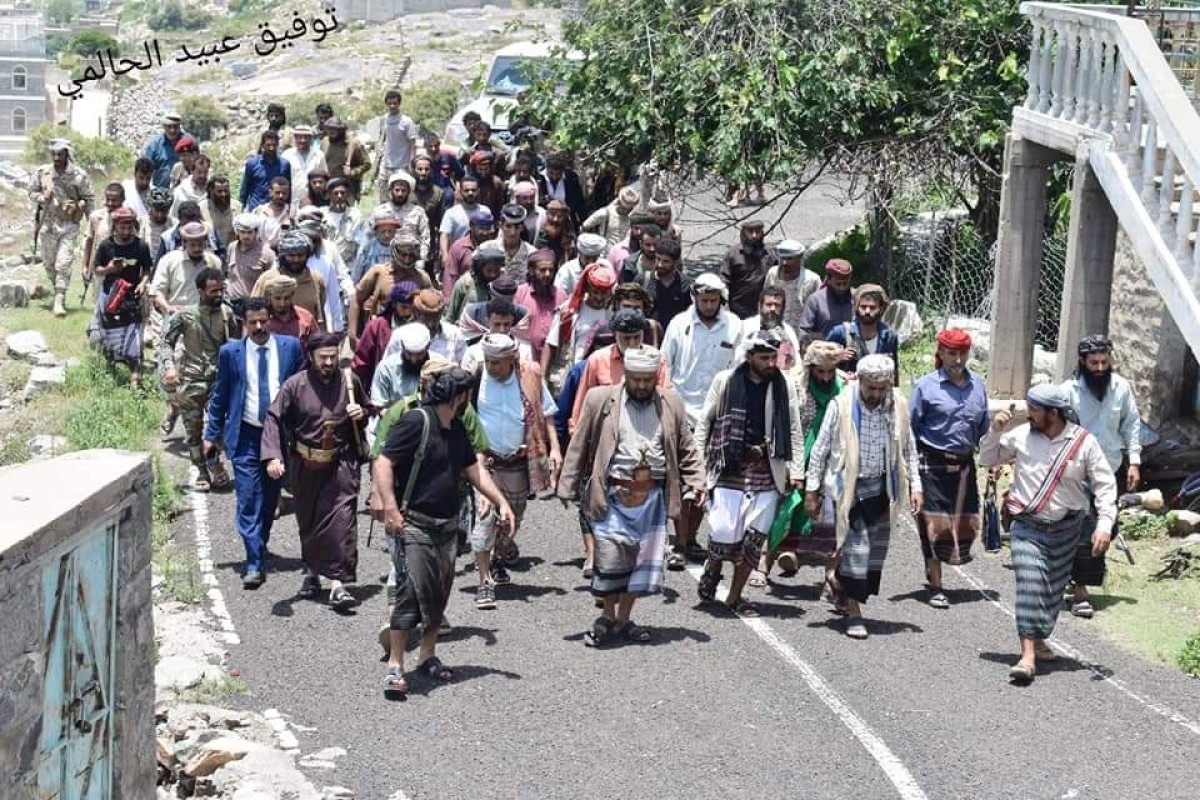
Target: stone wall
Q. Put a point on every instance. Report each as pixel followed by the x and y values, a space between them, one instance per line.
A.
pixel 49 509
pixel 1149 349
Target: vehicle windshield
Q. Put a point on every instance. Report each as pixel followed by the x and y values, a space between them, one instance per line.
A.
pixel 512 75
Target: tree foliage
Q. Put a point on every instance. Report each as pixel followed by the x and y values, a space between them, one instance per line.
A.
pixel 176 15
pixel 86 43
pixel 202 115
pixel 92 153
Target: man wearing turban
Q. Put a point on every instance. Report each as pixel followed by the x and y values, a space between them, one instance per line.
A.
pixel 378 332
pixel 633 440
pixel 445 339
pixel 948 411
pixel 63 192
pixel 1060 474
pixel 400 206
pixel 248 256
pixel 865 461
pixel 287 318
pixel 588 308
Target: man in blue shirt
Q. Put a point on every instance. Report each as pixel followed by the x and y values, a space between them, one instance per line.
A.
pixel 260 170
pixel 867 333
pixel 161 149
pixel 948 411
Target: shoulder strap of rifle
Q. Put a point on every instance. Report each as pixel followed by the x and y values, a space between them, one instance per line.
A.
pixel 418 457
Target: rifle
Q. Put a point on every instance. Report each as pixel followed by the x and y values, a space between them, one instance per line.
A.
pixel 37 228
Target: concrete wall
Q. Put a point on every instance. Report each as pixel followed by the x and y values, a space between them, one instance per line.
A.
pixel 385 10
pixel 48 508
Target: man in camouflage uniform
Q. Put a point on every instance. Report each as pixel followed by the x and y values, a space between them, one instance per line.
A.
pixel 63 192
pixel 187 357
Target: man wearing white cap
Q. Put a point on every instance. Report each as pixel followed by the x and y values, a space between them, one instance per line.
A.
pixel 64 194
pixel 249 256
pixel 633 441
pixel 412 218
pixel 590 247
pixel 303 158
pixel 791 276
pixel 517 412
pixel 161 149
pixel 753 448
pixel 398 373
pixel 612 221
pixel 865 460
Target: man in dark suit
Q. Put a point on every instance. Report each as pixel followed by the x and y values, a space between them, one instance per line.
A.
pixel 560 182
pixel 249 374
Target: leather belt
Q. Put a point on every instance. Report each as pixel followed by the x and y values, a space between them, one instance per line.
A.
pixel 315 457
pixel 518 460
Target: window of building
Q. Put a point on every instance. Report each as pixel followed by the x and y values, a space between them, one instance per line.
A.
pixel 19 77
pixel 18 120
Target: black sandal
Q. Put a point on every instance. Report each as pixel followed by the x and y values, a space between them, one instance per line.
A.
pixel 394 685
pixel 632 632
pixel 600 633
pixel 434 669
pixel 707 589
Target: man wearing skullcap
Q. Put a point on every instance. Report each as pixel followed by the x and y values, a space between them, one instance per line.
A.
pixel 445 338
pixel 187 360
pixel 517 413
pixel 294 250
pixel 867 333
pixel 525 195
pixel 123 262
pixel 635 445
pixel 400 205
pixel 487 265
pixel 865 462
pixel 373 290
pixel 397 143
pixel 345 156
pixel 772 303
pixel 750 439
pixel 1105 406
pixel 287 318
pixel 612 222
pixel 830 305
pixel 376 249
pixel 458 259
pixel 398 373
pixel 588 307
pixel 249 257
pixel 744 268
pixel 416 480
pixel 791 276
pixel 261 169
pixel 1060 475
pixel 516 249
pixel 378 332
pixel 174 282
pixel 161 149
pixel 664 217
pixel 63 194
pixel 631 245
pixel 315 433
pixel 303 160
pixel 698 345
pixel 948 412
pixel 185 213
pixel 589 248
pixel 540 298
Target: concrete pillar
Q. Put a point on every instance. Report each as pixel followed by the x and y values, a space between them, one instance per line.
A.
pixel 1018 266
pixel 1088 275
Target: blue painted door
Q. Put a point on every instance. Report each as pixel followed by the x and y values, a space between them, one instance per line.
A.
pixel 79 596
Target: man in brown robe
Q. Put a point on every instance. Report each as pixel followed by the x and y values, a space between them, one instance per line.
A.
pixel 314 426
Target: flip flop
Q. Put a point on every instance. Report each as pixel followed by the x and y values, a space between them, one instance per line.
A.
pixel 707 589
pixel 746 609
pixel 856 629
pixel 676 562
pixel 434 669
pixel 1083 609
pixel 632 632
pixel 202 485
pixel 341 600
pixel 220 478
pixel 599 634
pixel 1021 673
pixel 1044 652
pixel 937 599
pixel 394 685
pixel 757 579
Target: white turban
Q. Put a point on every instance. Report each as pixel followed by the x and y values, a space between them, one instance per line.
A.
pixel 62 144
pixel 710 282
pixel 413 337
pixel 247 222
pixel 499 345
pixel 876 367
pixel 789 248
pixel 402 175
pixel 658 205
pixel 1049 395
pixel 642 360
pixel 590 244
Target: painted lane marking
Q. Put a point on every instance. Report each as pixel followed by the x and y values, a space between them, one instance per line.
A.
pixel 204 563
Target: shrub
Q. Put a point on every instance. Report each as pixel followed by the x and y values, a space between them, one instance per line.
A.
pixel 87 43
pixel 1189 656
pixel 174 15
pixel 91 153
pixel 202 116
pixel 431 102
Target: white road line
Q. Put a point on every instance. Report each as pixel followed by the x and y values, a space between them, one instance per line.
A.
pixel 1096 667
pixel 286 739
pixel 891 765
pixel 199 501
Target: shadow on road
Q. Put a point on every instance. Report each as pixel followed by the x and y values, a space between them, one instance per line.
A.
pixel 955 596
pixel 1103 601
pixel 423 686
pixel 518 591
pixel 875 627
pixel 1060 664
pixel 668 635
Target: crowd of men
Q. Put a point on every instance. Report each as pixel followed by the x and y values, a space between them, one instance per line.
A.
pixel 490 331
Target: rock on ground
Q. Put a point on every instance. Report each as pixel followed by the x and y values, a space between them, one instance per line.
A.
pixel 44 379
pixel 902 317
pixel 179 673
pixel 26 345
pixel 13 294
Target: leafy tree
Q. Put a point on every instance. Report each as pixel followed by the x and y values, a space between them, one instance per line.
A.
pixel 175 15
pixel 63 11
pixel 86 43
pixel 202 115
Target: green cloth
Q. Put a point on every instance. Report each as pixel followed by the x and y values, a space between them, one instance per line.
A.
pixel 801 523
pixel 390 417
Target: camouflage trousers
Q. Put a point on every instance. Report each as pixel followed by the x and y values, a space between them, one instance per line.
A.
pixel 58 254
pixel 191 400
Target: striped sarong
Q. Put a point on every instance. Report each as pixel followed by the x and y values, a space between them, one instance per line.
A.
pixel 865 548
pixel 949 519
pixel 122 343
pixel 820 543
pixel 631 543
pixel 1042 556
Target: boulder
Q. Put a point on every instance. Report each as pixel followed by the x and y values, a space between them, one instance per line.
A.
pixel 178 673
pixel 45 359
pixel 1044 361
pixel 44 379
pixel 25 345
pixel 215 754
pixel 13 294
pixel 902 317
pixel 44 445
pixel 1183 522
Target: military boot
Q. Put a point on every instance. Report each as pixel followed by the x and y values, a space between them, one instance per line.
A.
pixel 60 307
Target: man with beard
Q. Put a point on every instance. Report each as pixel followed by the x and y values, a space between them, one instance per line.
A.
pixel 830 305
pixel 314 426
pixel 563 185
pixel 588 308
pixel 187 212
pixel 669 289
pixel 419 505
pixel 1060 475
pixel 277 211
pixel 277 122
pixel 524 194
pixel 867 334
pixel 865 462
pixel 157 220
pixel 750 439
pixel 458 218
pixel 327 262
pixel 174 283
pixel 194 185
pixel 541 298
pixel 447 171
pixel 499 316
pixel 196 333
pixel 286 318
pixel 590 248
pixel 63 192
pixel 187 148
pixel 249 374
pixel 523 458
pixel 635 444
pixel 555 231
pixel 294 249
pixel 316 191
pixel 948 412
pixel 433 200
pixel 631 245
pixel 99 223
pixel 378 247
pixel 791 276
pixel 379 331
pixel 491 188
pixel 461 256
pixel 664 217
pixel 249 257
pixel 612 221
pixel 486 282
pixel 606 367
pixel 161 150
pixel 123 263
pixel 397 143
pixel 343 222
pixel 399 205
pixel 219 209
pixel 303 160
pixel 1105 406
pixel 260 170
pixel 771 305
pixel 345 157
pixel 699 344
pixel 641 263
pixel 137 188
pixel 374 290
pixel 445 338
pixel 516 249
pixel 744 268
pixel 398 373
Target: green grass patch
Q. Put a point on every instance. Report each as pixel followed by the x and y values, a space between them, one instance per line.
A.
pixel 107 413
pixel 916 358
pixel 1189 656
pixel 213 691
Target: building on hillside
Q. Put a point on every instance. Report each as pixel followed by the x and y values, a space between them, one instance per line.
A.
pixel 23 99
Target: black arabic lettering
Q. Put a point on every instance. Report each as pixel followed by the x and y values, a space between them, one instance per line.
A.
pixel 272 41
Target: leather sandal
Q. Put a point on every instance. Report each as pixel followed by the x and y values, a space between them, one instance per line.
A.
pixel 1022 673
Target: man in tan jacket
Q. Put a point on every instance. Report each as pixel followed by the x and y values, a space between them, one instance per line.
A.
pixel 629 465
